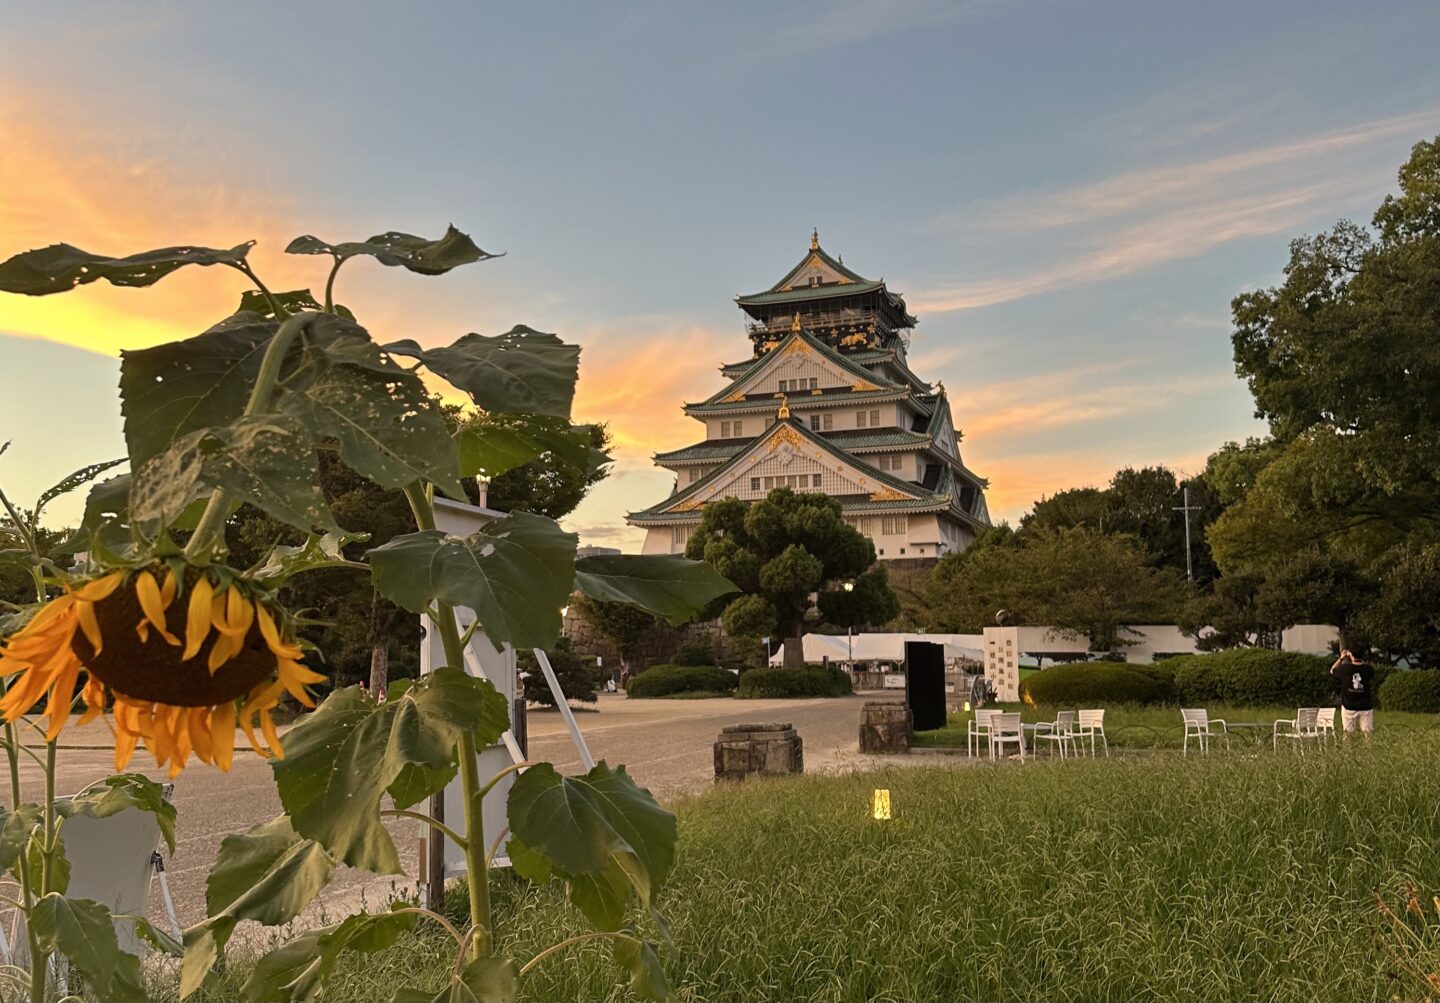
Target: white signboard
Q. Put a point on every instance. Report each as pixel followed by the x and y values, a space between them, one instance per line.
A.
pixel 895 681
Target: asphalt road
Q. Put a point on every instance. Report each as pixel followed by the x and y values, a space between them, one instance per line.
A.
pixel 665 744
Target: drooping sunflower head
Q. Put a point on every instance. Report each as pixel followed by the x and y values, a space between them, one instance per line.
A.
pixel 185 652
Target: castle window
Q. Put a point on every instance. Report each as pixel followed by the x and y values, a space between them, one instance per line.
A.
pixel 814 382
pixel 875 419
pixel 814 423
pixel 829 421
pixel 814 480
pixel 740 425
pixel 784 385
pixel 679 535
pixel 724 430
pixel 892 525
pixel 859 419
pixel 754 484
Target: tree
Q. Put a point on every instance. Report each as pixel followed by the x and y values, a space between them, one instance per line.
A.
pixel 779 552
pixel 621 623
pixel 1229 615
pixel 1404 620
pixel 544 486
pixel 868 602
pixel 576 675
pixel 1080 581
pixel 1341 361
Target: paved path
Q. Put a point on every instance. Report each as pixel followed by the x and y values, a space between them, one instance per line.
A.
pixel 666 745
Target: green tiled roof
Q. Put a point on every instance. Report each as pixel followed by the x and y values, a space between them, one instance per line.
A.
pixel 848 440
pixel 925 498
pixel 859 372
pixel 769 402
pixel 813 293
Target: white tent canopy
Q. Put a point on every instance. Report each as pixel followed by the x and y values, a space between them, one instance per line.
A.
pixel 882 647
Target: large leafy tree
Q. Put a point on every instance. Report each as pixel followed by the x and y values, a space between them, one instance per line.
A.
pixel 781 551
pixel 622 624
pixel 1078 580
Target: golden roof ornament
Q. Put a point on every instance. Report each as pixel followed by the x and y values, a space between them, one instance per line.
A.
pixel 795 324
pixel 940 387
pixel 815 239
pixel 784 413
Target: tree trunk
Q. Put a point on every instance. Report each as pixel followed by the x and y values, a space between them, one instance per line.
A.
pixel 794 653
pixel 379 667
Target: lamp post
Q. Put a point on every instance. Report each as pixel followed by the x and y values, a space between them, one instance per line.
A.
pixel 850 637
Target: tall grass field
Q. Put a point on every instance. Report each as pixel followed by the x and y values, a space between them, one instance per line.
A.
pixel 1239 877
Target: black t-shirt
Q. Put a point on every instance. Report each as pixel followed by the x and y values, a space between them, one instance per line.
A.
pixel 1357 685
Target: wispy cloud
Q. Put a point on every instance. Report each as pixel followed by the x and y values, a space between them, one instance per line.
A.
pixel 1139 219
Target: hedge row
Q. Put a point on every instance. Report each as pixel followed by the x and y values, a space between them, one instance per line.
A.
pixel 1240 677
pixel 667 680
pixel 807 682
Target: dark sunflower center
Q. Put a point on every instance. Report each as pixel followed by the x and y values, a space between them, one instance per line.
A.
pixel 152 670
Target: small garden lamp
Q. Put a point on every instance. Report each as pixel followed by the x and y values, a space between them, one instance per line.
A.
pixel 849 586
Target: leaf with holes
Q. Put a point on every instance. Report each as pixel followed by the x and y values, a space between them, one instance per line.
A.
pixel 647 975
pixel 515 573
pixel 344 757
pixel 266 460
pixel 84 932
pixel 268 875
pixel 171 390
pixel 113 795
pixel 522 370
pixel 15 828
pixel 283 563
pixel 427 257
pixel 667 585
pixel 495 443
pixel 82 476
pixel 61 267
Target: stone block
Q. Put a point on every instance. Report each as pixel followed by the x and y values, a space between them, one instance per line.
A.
pixel 885 727
pixel 770 749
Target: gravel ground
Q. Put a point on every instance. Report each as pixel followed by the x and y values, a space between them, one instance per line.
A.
pixel 665 744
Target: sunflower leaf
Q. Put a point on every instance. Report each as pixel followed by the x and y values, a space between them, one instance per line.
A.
pixel 666 585
pixel 266 460
pixel 502 442
pixel 171 390
pixel 84 931
pixel 15 828
pixel 125 790
pixel 522 370
pixel 283 563
pixel 387 427
pixel 82 476
pixel 343 758
pixel 600 833
pixel 268 875
pixel 298 969
pixel 61 267
pixel 486 980
pixel 647 975
pixel 425 257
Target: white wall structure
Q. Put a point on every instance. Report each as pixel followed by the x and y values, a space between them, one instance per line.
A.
pixel 873 647
pixel 1006 648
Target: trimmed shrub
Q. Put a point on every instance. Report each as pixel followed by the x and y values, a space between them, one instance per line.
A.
pixel 1098 682
pixel 1413 690
pixel 806 682
pixel 667 680
pixel 1253 677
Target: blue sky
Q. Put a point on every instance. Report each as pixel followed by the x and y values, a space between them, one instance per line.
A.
pixel 1068 194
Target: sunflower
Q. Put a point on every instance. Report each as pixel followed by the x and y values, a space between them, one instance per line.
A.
pixel 185 657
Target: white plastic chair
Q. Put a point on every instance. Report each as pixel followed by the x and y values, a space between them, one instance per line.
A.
pixel 1089 724
pixel 1304 725
pixel 1325 722
pixel 979 729
pixel 1061 731
pixel 1005 729
pixel 1198 724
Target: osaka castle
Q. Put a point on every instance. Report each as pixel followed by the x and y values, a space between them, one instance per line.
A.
pixel 825 402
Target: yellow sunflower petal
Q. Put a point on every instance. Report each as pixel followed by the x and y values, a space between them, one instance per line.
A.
pixel 294 676
pixel 124 747
pixel 100 588
pixel 240 621
pixel 94 696
pixel 147 590
pixel 48 612
pixel 222 733
pixel 261 697
pixel 271 633
pixel 267 725
pixel 197 620
pixel 169 589
pixel 235 608
pixel 198 724
pixel 62 697
pixel 221 651
pixel 86 612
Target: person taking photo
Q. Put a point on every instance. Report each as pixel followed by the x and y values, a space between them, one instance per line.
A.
pixel 1357 693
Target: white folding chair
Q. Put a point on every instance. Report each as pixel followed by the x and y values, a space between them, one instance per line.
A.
pixel 1059 732
pixel 1005 729
pixel 1304 725
pixel 1089 724
pixel 1198 725
pixel 1325 722
pixel 979 729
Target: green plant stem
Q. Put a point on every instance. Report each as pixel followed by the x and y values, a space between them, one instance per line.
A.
pixel 27 894
pixel 477 877
pixel 455 837
pixel 212 522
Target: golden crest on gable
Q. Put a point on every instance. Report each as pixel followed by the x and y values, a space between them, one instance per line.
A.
pixel 888 494
pixel 786 434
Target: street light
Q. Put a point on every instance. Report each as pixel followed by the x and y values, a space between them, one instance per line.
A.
pixel 850 637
